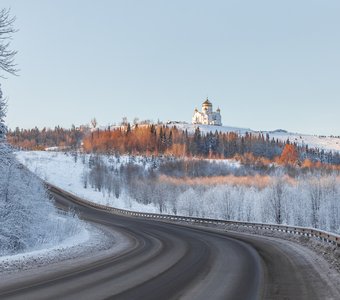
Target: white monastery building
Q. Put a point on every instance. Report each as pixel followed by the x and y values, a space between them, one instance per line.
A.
pixel 207 116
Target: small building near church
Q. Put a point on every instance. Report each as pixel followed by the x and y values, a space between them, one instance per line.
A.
pixel 207 116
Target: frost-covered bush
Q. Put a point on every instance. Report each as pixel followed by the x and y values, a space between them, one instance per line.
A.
pixel 28 219
pixel 311 199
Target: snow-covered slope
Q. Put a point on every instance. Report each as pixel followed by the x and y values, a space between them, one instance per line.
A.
pixel 313 141
pixel 210 128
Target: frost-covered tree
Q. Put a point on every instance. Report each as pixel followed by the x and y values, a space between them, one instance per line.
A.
pixel 28 219
pixel 276 199
pixel 7 65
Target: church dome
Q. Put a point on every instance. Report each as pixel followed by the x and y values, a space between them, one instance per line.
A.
pixel 207 103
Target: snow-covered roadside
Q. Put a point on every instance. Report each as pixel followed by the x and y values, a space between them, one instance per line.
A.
pixel 33 233
pixel 92 241
pixel 67 249
pixel 101 243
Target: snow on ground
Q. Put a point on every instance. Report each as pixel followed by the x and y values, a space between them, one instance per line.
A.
pixel 66 172
pixel 210 128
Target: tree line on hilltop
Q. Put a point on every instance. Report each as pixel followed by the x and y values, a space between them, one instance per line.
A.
pixel 36 139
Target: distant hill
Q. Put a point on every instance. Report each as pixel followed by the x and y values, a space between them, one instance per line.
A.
pixel 313 141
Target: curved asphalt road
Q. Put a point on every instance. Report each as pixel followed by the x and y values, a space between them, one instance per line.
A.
pixel 169 261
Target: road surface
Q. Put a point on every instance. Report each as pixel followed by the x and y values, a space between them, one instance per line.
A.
pixel 172 261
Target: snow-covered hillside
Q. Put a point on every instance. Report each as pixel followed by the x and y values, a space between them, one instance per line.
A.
pixel 29 221
pixel 313 141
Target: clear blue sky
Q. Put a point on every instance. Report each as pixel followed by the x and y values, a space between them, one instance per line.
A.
pixel 267 64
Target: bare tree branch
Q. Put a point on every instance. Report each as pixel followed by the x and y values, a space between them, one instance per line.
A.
pixel 7 55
